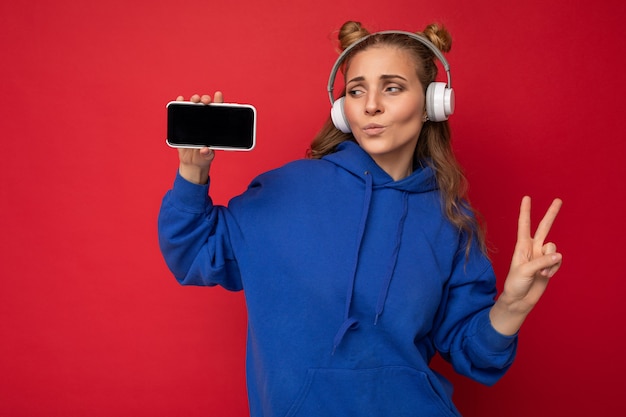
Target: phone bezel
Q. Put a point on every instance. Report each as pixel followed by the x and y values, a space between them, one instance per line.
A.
pixel 200 146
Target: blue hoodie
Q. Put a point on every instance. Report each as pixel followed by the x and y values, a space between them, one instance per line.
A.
pixel 353 281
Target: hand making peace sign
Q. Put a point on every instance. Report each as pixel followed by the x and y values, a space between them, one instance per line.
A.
pixel 534 263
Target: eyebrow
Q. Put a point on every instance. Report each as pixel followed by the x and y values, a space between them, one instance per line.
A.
pixel 382 77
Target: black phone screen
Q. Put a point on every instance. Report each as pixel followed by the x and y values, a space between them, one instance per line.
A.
pixel 214 125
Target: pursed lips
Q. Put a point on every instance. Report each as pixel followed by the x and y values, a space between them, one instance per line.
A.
pixel 373 129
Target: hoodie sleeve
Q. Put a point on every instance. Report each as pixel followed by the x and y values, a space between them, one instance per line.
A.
pixel 465 336
pixel 194 237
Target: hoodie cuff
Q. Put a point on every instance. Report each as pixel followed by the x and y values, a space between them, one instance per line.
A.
pixel 490 338
pixel 189 196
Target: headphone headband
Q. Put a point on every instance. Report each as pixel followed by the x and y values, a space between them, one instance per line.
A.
pixel 421 39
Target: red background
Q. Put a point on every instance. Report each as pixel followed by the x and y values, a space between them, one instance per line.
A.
pixel 91 321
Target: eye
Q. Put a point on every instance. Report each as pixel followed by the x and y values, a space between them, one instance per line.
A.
pixel 355 92
pixel 393 89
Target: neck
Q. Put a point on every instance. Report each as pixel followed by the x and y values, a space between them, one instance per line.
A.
pixel 397 170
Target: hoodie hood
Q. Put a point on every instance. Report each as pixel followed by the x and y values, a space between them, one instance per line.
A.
pixel 351 157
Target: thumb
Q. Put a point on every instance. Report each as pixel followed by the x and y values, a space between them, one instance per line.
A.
pixel 547 265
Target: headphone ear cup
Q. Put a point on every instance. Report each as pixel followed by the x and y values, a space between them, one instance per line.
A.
pixel 339 117
pixel 439 101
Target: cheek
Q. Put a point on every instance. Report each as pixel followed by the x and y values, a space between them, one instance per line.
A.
pixel 349 110
pixel 411 112
pixel 412 120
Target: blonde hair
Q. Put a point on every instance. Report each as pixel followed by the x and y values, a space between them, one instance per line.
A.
pixel 434 144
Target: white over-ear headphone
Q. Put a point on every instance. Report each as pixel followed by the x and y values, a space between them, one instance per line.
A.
pixel 439 96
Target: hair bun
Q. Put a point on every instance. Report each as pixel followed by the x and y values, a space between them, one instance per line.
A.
pixel 439 36
pixel 350 32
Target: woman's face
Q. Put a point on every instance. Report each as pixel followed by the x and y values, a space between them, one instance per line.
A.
pixel 384 106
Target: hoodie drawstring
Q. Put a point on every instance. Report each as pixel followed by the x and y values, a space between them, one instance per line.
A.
pixel 382 297
pixel 351 322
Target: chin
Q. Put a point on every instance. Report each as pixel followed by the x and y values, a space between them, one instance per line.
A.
pixel 375 146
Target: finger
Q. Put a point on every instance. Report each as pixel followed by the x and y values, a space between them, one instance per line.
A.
pixel 548 248
pixel 218 97
pixel 541 264
pixel 548 220
pixel 180 98
pixel 207 153
pixel 523 223
pixel 195 98
pixel 552 271
pixel 206 99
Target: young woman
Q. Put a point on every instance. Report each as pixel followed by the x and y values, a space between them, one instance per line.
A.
pixel 364 260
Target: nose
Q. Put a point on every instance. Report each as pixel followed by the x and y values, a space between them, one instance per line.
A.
pixel 373 104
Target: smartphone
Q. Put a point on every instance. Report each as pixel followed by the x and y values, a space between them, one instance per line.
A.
pixel 224 126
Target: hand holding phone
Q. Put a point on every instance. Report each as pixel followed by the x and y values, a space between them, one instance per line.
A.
pixel 226 126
